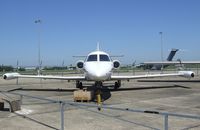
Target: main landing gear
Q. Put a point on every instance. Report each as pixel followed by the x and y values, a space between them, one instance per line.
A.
pixel 117 84
pixel 79 85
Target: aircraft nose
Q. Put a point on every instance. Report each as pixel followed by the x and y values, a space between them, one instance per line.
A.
pixel 99 74
pixel 98 71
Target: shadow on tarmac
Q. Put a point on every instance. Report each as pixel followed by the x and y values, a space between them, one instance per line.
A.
pixel 105 90
pixel 150 87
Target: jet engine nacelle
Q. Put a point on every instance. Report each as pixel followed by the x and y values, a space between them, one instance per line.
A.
pixel 116 64
pixel 80 64
pixel 187 74
pixel 9 76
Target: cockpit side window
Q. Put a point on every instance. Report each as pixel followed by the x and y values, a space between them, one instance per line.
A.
pixel 92 58
pixel 104 58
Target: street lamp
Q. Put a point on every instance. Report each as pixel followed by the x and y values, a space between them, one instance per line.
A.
pixel 161 48
pixel 39 58
pixel 161 45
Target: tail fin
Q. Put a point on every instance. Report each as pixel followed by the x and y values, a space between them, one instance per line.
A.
pixel 172 54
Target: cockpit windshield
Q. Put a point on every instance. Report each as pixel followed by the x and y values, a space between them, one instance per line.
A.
pixel 92 58
pixel 104 58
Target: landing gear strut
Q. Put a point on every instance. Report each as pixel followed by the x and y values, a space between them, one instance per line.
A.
pixel 98 94
pixel 117 84
pixel 98 98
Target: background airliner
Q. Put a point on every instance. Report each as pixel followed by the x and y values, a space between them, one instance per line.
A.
pixel 159 66
pixel 98 67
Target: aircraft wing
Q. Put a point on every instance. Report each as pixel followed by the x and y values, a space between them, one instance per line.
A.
pixel 187 74
pixel 171 62
pixel 8 76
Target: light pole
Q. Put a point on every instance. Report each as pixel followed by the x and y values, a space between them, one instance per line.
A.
pixel 39 58
pixel 161 48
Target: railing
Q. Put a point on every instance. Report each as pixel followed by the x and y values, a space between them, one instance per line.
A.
pixel 63 103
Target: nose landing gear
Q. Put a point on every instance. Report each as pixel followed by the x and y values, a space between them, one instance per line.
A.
pixel 98 94
pixel 98 98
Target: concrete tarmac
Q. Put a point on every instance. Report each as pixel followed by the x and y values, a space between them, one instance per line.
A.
pixel 176 97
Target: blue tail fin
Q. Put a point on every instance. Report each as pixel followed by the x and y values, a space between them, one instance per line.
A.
pixel 172 54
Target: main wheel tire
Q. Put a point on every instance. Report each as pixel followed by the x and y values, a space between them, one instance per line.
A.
pixel 79 84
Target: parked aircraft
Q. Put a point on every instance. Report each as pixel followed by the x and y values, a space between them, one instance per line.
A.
pixel 161 66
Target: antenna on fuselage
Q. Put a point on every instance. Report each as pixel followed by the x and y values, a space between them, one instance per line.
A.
pixel 98 48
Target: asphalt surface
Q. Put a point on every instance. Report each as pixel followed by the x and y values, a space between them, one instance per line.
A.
pixel 179 96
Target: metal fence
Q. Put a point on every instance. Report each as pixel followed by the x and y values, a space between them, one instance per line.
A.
pixel 62 105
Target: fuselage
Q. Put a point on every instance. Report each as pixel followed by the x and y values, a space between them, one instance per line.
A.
pixel 98 66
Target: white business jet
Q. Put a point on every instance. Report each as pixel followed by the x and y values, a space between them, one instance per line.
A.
pixel 98 67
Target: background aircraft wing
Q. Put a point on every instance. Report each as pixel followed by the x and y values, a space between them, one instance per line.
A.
pixel 171 62
pixel 8 76
pixel 187 74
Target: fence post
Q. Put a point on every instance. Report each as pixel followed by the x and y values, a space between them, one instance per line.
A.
pixel 166 122
pixel 62 115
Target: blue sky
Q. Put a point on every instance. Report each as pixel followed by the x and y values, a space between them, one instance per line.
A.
pixel 73 27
